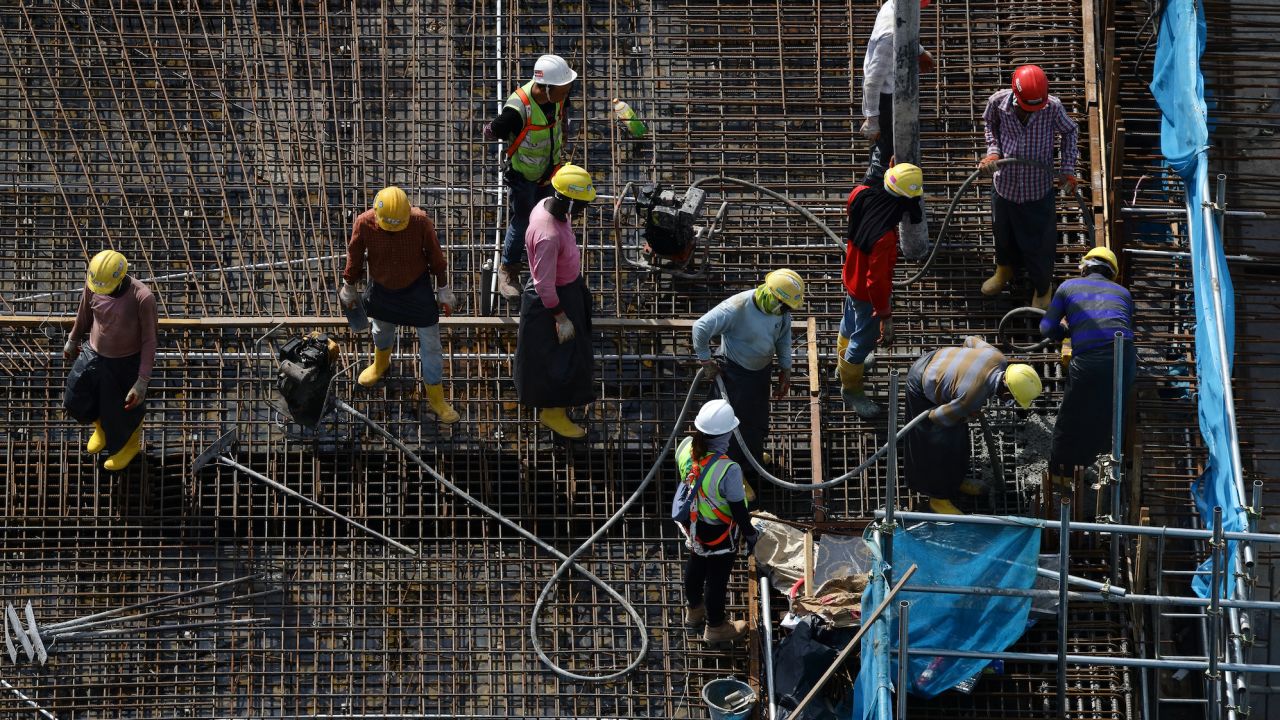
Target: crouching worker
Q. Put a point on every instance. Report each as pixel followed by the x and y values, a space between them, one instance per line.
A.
pixel 399 244
pixel 555 366
pixel 711 508
pixel 952 384
pixel 108 382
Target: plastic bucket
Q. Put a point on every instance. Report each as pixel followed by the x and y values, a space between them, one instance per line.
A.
pixel 716 692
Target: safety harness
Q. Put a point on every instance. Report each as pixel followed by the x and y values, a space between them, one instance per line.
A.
pixel 697 477
pixel 528 121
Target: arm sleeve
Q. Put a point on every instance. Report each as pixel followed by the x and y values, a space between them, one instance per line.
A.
pixel 709 326
pixel 876 69
pixel 542 269
pixel 991 127
pixel 955 412
pixel 509 124
pixel 1070 133
pixel 147 330
pixel 431 250
pixel 973 341
pixel 782 345
pixel 84 318
pixel 354 271
pixel 741 516
pixel 880 277
pixel 1051 323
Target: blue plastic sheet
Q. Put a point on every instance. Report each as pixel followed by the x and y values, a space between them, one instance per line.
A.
pixel 1178 87
pixel 985 556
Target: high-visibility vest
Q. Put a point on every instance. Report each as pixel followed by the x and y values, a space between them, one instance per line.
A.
pixel 709 505
pixel 538 145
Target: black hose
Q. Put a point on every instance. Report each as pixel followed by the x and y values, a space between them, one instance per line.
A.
pixel 1016 312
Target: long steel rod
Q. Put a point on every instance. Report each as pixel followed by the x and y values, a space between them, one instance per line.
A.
pixel 766 612
pixel 1092 660
pixel 891 470
pixel 904 611
pixel 1076 596
pixel 69 624
pixel 1117 449
pixel 1064 562
pixel 1080 526
pixel 1217 554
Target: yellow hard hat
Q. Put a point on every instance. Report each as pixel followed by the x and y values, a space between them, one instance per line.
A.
pixel 391 208
pixel 574 182
pixel 1103 254
pixel 787 286
pixel 904 179
pixel 106 271
pixel 1023 383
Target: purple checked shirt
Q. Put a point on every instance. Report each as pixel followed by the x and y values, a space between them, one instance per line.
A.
pixel 1008 137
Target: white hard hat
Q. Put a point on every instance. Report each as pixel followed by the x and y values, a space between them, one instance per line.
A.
pixel 553 70
pixel 716 418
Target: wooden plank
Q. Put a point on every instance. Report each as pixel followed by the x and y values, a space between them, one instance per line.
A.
pixel 815 418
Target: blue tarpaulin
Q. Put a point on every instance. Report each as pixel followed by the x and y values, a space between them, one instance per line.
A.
pixel 985 556
pixel 1178 87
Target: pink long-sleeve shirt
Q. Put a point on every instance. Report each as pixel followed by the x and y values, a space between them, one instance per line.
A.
pixel 120 326
pixel 554 257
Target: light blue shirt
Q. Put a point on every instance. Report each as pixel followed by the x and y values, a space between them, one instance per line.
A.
pixel 748 336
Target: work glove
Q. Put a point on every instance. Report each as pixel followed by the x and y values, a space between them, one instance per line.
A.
pixel 886 332
pixel 926 62
pixel 710 370
pixel 136 395
pixel 488 132
pixel 71 350
pixel 448 301
pixel 564 328
pixel 347 296
pixel 784 384
pixel 752 536
pixel 1068 182
pixel 871 128
pixel 988 164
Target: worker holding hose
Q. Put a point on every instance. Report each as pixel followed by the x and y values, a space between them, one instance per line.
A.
pixel 877 90
pixel 555 366
pixel 1023 122
pixel 398 242
pixel 108 383
pixel 711 509
pixel 754 326
pixel 875 209
pixel 1086 313
pixel 951 385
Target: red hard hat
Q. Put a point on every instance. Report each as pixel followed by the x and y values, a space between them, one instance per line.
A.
pixel 1030 87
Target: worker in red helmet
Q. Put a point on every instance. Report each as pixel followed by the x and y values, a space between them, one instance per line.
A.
pixel 877 90
pixel 1025 121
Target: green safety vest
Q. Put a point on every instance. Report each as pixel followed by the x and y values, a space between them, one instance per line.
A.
pixel 709 505
pixel 538 145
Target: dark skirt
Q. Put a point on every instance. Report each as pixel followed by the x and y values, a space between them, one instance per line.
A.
pixel 549 373
pixel 1083 430
pixel 96 389
pixel 414 306
pixel 937 457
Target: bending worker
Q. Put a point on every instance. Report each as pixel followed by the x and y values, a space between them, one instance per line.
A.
pixel 877 90
pixel 532 123
pixel 399 244
pixel 952 384
pixel 108 382
pixel 1023 122
pixel 875 208
pixel 712 511
pixel 1088 311
pixel 554 360
pixel 753 327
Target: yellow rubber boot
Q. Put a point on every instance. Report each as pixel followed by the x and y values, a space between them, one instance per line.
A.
pixel 126 454
pixel 943 507
pixel 852 391
pixel 1041 302
pixel 97 441
pixel 560 424
pixel 441 407
pixel 968 487
pixel 998 280
pixel 374 373
pixel 842 344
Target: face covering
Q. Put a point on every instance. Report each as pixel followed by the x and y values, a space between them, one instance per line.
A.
pixel 767 302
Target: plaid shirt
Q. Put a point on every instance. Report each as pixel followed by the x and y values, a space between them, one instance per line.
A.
pixel 395 259
pixel 1008 137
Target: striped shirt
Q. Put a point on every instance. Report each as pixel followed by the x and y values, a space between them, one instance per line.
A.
pixel 1095 309
pixel 958 379
pixel 1008 137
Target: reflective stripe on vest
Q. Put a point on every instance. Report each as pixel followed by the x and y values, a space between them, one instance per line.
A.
pixel 538 145
pixel 714 509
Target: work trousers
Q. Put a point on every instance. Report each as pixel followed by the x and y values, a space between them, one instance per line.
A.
pixel 882 149
pixel 706 582
pixel 1084 428
pixel 861 326
pixel 430 350
pixel 522 196
pixel 749 396
pixel 937 457
pixel 1026 236
pixel 96 388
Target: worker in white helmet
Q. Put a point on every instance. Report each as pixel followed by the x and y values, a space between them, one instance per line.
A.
pixel 532 123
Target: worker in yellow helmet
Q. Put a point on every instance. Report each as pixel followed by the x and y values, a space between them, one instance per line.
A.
pixel 754 327
pixel 108 383
pixel 554 362
pixel 399 244
pixel 952 384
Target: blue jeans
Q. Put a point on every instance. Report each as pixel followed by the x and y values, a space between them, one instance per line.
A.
pixel 861 327
pixel 522 195
pixel 429 348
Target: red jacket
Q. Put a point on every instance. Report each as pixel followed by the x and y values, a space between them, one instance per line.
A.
pixel 869 277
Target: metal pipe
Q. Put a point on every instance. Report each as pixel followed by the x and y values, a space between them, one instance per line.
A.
pixel 1214 613
pixel 1064 549
pixel 904 608
pixel 891 469
pixel 906 113
pixel 1089 660
pixel 1166 253
pixel 1078 596
pixel 766 612
pixel 1257 214
pixel 1010 521
pixel 1117 449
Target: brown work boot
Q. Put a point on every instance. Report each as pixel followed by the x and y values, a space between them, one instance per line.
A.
pixel 509 281
pixel 695 618
pixel 998 280
pixel 724 635
pixel 1041 302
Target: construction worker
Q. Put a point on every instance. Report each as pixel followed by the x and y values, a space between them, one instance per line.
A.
pixel 1023 122
pixel 400 246
pixel 877 90
pixel 1086 313
pixel 532 123
pixel 951 385
pixel 716 518
pixel 754 326
pixel 554 361
pixel 875 209
pixel 108 382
